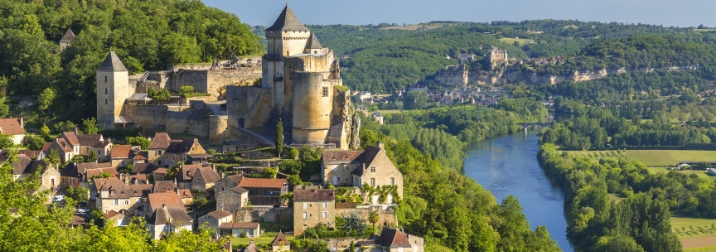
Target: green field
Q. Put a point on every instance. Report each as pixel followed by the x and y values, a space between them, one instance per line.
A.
pixel 393 111
pixel 704 249
pixel 654 158
pixel 513 40
pixel 264 239
pixel 693 227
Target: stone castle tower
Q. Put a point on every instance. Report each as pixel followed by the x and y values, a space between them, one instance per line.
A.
pixel 112 90
pixel 301 81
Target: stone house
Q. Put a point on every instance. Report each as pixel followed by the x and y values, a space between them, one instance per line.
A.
pixel 118 219
pixel 214 219
pixel 265 191
pixel 114 194
pixel 165 152
pixel 231 199
pixel 70 144
pixel 123 155
pixel 145 169
pixel 156 200
pixel 13 127
pixel 393 240
pixel 234 229
pixel 313 206
pixel 355 168
pixel 76 174
pixel 169 186
pixel 204 179
pixel 378 117
pixel 187 172
pixel 49 176
pixel 280 243
pixel 166 220
pixel 67 39
pixel 228 182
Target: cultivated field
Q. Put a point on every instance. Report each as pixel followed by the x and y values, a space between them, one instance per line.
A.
pixel 654 158
pixel 695 234
pixel 513 40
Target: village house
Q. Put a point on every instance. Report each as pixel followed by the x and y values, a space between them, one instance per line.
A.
pixel 355 168
pixel 166 220
pixel 123 155
pixel 199 177
pixel 235 229
pixel 378 117
pixel 232 199
pixel 313 206
pixel 265 191
pixel 155 200
pixel 169 186
pixel 393 240
pixel 118 219
pixel 33 154
pixel 213 219
pixel 13 127
pixel 165 152
pixel 280 243
pixel 114 194
pixel 76 174
pixel 228 182
pixel 145 169
pixel 71 144
pixel 25 166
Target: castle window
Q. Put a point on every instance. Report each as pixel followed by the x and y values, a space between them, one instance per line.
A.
pixel 105 101
pixel 105 79
pixel 325 92
pixel 105 91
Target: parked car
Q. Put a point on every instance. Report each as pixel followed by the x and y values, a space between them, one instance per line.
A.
pixel 83 210
pixel 58 198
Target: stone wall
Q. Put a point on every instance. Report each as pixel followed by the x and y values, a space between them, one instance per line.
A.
pixel 388 217
pixel 218 128
pixel 194 120
pixel 248 105
pixel 213 82
pixel 264 214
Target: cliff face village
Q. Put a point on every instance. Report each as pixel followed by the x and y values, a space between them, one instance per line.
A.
pixel 298 80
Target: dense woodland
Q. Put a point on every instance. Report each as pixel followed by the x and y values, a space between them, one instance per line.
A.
pixel 147 35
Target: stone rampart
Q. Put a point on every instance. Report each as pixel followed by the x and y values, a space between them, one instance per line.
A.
pixel 264 214
pixel 387 218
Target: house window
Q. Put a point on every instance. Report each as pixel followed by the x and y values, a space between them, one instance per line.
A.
pixel 325 214
pixel 305 205
pixel 372 182
pixel 338 179
pixel 72 181
pixel 325 204
pixel 126 202
pixel 372 169
pixel 325 92
pixel 305 215
pixel 116 202
pixel 111 192
pixel 392 181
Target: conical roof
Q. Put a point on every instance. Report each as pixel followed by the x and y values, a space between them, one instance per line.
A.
pixel 68 37
pixel 313 42
pixel 287 21
pixel 280 240
pixel 112 63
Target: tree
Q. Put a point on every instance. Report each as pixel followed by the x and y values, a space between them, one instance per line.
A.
pixel 53 158
pixel 90 126
pixel 45 132
pixel 354 224
pixel 279 137
pixel 374 217
pixel 186 90
pixel 34 142
pixel 78 194
pixel 138 140
pixel 5 141
pixel 45 99
pixel 4 108
pixel 92 157
pixel 415 100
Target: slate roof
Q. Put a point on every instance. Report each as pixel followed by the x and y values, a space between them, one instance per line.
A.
pixel 261 183
pixel 11 126
pixel 112 63
pixel 181 146
pixel 34 154
pixel 232 225
pixel 313 42
pixel 90 139
pixel 238 189
pixel 144 168
pixel 279 239
pixel 300 195
pixel 124 191
pixel 210 176
pixel 18 167
pixel 218 214
pixel 342 157
pixel 68 37
pixel 163 186
pixel 287 21
pixel 75 169
pixel 187 172
pixel 170 215
pixel 393 238
pixel 161 140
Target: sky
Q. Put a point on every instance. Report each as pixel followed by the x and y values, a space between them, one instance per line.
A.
pixel 360 12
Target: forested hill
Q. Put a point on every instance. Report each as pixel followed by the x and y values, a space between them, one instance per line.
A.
pixel 384 57
pixel 151 34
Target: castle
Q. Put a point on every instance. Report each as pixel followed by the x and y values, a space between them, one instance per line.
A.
pixel 300 82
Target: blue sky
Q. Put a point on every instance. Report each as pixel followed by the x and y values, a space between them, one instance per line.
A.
pixel 668 13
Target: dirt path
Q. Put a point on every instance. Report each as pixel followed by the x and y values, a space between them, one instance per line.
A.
pixel 698 242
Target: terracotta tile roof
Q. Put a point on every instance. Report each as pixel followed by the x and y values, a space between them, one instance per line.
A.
pixel 232 225
pixel 186 172
pixel 185 194
pixel 121 151
pixel 71 137
pixel 99 182
pixel 46 147
pixel 161 140
pixel 64 145
pixel 170 199
pixel 218 214
pixel 163 186
pixel 90 139
pixel 261 183
pixel 11 126
pixel 300 195
pixel 393 238
pixel 280 240
pixel 209 175
pixel 160 171
pixel 250 248
pixel 141 156
pixel 111 214
pixel 341 157
pixel 97 171
pixel 34 154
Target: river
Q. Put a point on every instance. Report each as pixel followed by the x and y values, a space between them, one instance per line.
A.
pixel 508 165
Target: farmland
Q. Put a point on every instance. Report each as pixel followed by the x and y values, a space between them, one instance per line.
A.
pixel 653 158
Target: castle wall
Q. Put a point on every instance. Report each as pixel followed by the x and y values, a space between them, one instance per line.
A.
pixel 213 81
pixel 312 96
pixel 218 128
pixel 250 105
pixel 192 121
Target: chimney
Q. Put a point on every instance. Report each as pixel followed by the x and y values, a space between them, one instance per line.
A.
pixel 380 145
pixel 164 206
pixel 22 123
pixel 176 190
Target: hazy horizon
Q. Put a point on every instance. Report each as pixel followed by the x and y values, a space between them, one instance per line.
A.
pixel 324 12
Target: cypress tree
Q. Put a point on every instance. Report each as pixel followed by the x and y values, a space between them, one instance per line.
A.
pixel 279 137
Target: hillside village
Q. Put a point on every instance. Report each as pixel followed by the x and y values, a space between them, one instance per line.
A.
pixel 177 183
